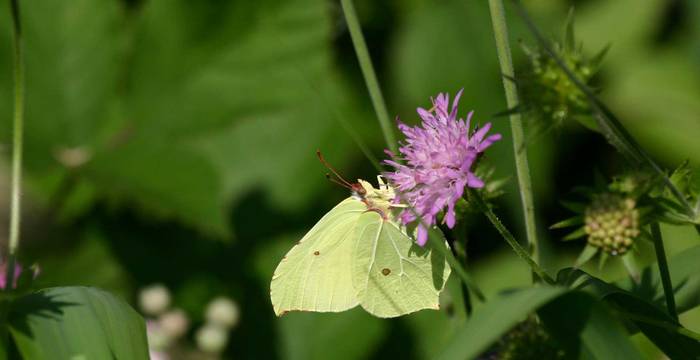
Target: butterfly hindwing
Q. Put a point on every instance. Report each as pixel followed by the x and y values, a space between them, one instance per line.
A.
pixel 392 275
pixel 316 275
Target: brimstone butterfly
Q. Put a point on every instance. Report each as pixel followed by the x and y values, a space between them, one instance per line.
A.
pixel 359 254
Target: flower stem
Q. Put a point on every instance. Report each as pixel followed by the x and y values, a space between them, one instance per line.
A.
pixel 522 167
pixel 365 61
pixel 663 270
pixel 18 123
pixel 481 204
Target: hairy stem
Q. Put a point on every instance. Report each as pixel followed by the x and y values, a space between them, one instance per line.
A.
pixel 522 167
pixel 663 270
pixel 18 124
pixel 365 61
pixel 508 237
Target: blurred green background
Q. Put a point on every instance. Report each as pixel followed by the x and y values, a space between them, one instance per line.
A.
pixel 172 141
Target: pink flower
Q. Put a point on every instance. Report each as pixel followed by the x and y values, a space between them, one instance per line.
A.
pixel 439 156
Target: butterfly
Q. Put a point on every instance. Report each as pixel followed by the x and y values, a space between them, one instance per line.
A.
pixel 358 253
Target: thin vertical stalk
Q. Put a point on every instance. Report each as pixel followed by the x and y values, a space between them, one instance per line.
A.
pixel 500 31
pixel 370 77
pixel 663 270
pixel 18 125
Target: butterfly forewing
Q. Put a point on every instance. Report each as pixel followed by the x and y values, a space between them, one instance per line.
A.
pixel 391 274
pixel 316 275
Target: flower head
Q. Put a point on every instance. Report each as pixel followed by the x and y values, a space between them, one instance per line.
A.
pixel 440 155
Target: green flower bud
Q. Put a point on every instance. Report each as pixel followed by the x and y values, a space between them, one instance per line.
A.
pixel 612 223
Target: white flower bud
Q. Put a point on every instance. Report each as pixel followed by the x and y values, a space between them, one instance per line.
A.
pixel 174 323
pixel 222 311
pixel 154 299
pixel 212 338
pixel 158 340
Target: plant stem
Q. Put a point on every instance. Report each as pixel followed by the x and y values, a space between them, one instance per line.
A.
pixel 461 233
pixel 663 270
pixel 365 61
pixel 18 124
pixel 476 197
pixel 522 167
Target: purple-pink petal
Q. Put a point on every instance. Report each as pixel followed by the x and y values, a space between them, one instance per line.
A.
pixel 439 156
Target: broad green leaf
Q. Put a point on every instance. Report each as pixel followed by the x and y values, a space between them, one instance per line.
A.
pixel 392 275
pixel 168 181
pixel 586 328
pixel 657 325
pixel 71 75
pixel 315 274
pixel 234 80
pixel 650 318
pixel 77 323
pixel 489 322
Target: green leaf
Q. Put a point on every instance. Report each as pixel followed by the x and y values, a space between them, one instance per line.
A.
pixel 489 322
pixel 657 325
pixel 394 276
pixel 232 81
pixel 576 234
pixel 648 317
pixel 71 75
pixel 77 322
pixel 584 326
pixel 587 254
pixel 165 181
pixel 576 220
pixel 685 276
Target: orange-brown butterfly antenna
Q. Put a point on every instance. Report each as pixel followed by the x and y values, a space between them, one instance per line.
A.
pixel 341 180
pixel 336 181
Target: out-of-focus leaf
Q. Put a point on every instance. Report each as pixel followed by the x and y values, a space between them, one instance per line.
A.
pixel 601 25
pixel 251 85
pixel 165 180
pixel 207 101
pixel 77 322
pixel 643 93
pixel 71 74
pixel 489 322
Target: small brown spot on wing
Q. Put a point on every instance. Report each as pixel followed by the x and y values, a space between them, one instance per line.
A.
pixel 386 271
pixel 317 253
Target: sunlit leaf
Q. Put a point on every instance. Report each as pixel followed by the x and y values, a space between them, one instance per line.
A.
pixel 77 322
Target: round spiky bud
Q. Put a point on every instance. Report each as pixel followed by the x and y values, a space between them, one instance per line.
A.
pixel 612 223
pixel 556 97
